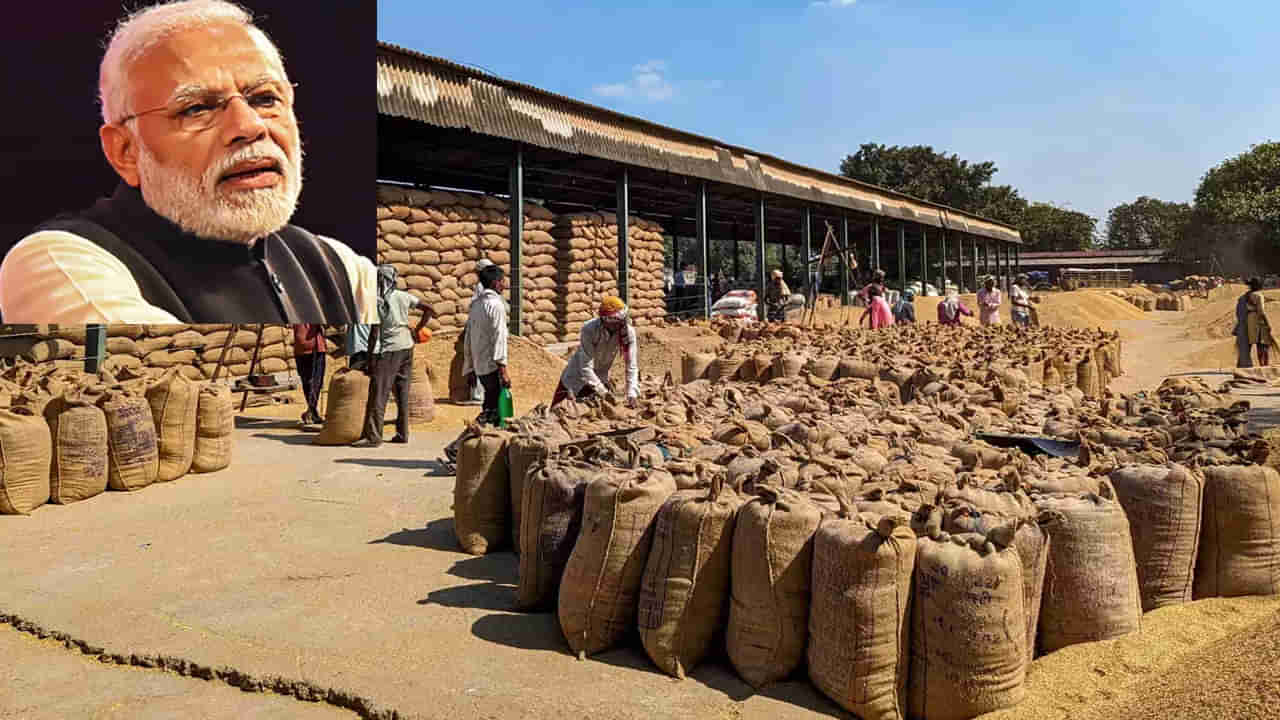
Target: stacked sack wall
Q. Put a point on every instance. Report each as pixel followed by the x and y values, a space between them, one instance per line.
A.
pixel 192 349
pixel 434 239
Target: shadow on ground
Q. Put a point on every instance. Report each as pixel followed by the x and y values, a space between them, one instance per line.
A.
pixel 435 468
pixel 541 632
pixel 437 535
pixel 301 439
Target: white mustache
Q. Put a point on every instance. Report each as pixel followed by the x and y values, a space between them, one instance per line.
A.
pixel 251 153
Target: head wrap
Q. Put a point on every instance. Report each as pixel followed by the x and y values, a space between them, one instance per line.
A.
pixel 481 264
pixel 776 274
pixel 612 308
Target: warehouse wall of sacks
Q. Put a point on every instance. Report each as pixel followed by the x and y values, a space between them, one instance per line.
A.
pixel 434 239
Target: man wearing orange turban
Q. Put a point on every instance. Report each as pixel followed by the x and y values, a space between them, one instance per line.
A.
pixel 601 341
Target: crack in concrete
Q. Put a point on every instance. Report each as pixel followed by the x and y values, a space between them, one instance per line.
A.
pixel 301 690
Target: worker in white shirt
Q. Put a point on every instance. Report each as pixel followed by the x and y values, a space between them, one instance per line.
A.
pixel 484 354
pixel 475 392
pixel 602 339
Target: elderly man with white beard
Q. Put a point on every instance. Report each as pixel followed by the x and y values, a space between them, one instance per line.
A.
pixel 198 122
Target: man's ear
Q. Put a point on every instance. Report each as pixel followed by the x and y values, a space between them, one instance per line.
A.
pixel 121 149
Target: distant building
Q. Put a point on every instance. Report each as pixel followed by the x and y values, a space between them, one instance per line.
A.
pixel 1148 266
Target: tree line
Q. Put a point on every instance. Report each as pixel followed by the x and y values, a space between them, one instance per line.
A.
pixel 1235 215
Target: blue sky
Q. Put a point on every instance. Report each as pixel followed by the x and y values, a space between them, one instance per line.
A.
pixel 1085 104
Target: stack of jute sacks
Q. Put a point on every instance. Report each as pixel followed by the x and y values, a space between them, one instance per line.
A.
pixel 434 239
pixel 67 436
pixel 192 349
pixel 588 270
pixel 866 536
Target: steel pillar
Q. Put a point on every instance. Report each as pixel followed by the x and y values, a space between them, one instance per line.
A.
pixel 844 260
pixel 515 223
pixel 924 260
pixel 875 244
pixel 760 278
pixel 974 243
pixel 700 229
pixel 95 347
pixel 942 246
pixel 902 258
pixel 624 247
pixel 806 244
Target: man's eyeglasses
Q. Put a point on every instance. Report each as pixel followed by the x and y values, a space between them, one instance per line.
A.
pixel 201 113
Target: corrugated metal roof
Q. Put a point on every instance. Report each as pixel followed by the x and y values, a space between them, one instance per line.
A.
pixel 1058 261
pixel 443 93
pixel 1093 253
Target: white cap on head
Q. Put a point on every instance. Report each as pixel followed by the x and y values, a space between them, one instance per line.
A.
pixel 483 263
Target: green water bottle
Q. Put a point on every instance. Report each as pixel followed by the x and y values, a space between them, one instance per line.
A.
pixel 506 408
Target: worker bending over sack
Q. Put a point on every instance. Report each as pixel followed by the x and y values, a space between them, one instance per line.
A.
pixel 602 339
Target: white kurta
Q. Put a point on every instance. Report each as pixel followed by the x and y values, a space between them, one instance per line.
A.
pixel 485 346
pixel 597 350
pixel 54 276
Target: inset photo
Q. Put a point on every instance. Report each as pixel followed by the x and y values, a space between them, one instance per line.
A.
pixel 193 161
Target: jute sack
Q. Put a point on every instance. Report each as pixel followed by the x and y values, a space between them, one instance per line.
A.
pixel 422 402
pixel 344 411
pixel 788 364
pixel 601 585
pixel 481 490
pixel 133 458
pixel 26 450
pixel 215 421
pixel 524 451
pixel 685 589
pixel 968 641
pixel 1091 582
pixel 551 517
pixel 1031 542
pixel 694 366
pixel 78 429
pixel 1240 536
pixel 858 614
pixel 1163 506
pixel 174 401
pixel 769 579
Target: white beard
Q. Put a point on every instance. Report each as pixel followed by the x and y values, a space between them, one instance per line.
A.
pixel 197 206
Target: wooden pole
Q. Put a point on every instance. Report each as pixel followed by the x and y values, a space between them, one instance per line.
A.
pixel 257 348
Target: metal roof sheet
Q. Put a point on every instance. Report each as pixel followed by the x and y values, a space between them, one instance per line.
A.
pixel 443 93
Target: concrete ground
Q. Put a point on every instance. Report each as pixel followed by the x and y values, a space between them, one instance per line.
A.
pixel 333 574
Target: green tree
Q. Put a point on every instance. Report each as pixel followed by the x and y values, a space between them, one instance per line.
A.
pixel 1047 227
pixel 1003 203
pixel 1237 214
pixel 1147 223
pixel 921 172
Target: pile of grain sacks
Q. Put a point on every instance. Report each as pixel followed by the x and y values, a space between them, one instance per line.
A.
pixel 67 436
pixel 587 245
pixel 434 238
pixel 825 524
pixel 192 349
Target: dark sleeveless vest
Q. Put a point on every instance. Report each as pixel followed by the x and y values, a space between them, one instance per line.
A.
pixel 290 276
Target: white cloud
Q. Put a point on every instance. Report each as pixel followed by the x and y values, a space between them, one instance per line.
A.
pixel 832 3
pixel 648 81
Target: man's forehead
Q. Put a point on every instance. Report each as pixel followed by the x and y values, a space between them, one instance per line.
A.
pixel 222 57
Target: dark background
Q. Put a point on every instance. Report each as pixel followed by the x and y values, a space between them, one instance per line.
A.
pixel 50 157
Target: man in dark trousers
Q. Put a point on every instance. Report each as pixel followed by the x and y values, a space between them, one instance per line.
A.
pixel 390 358
pixel 308 351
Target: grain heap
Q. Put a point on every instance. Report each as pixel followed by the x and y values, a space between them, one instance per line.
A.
pixel 877 437
pixel 435 238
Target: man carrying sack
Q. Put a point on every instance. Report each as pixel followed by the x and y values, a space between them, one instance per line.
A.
pixel 602 339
